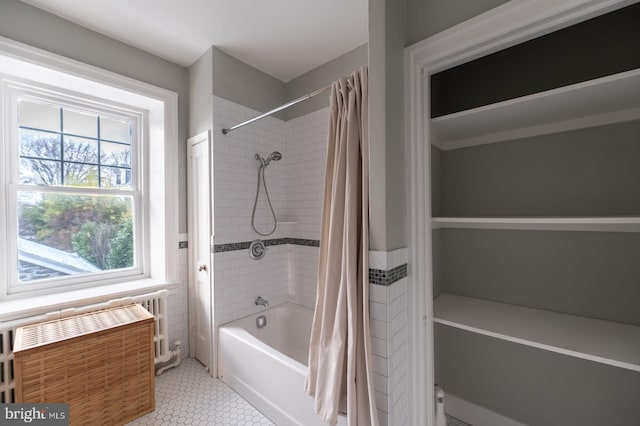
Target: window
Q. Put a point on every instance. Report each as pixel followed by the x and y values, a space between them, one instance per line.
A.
pixel 88 168
pixel 76 182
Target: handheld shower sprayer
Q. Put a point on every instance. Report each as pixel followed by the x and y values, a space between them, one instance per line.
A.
pixel 275 156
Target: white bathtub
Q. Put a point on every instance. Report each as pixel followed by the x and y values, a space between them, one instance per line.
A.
pixel 268 366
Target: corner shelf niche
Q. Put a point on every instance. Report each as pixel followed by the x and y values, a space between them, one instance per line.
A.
pixel 602 224
pixel 611 99
pixel 605 342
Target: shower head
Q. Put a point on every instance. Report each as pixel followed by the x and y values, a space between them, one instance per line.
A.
pixel 275 156
pixel 264 162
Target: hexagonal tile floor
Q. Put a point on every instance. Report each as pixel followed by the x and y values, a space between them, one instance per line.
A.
pixel 187 395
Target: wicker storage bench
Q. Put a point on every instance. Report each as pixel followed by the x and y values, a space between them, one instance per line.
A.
pixel 100 363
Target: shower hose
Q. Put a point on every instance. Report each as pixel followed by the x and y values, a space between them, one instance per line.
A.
pixel 255 204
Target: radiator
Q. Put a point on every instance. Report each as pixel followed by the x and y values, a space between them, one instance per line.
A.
pixel 155 303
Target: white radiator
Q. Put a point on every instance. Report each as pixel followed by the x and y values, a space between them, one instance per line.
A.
pixel 155 303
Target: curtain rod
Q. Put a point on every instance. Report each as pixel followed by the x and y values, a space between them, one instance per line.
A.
pixel 273 111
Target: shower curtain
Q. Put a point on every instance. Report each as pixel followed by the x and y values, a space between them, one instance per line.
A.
pixel 340 369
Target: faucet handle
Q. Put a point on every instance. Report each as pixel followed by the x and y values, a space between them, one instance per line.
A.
pixel 260 301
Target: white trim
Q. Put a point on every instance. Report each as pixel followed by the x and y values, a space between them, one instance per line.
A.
pixel 542 129
pixel 594 224
pixel 605 100
pixel 605 342
pixel 162 132
pixel 203 137
pixel 475 414
pixel 504 26
pixel 419 269
pixel 26 307
pixel 4 179
pixel 507 25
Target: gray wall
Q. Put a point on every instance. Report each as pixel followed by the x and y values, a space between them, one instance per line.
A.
pixel 426 18
pixel 395 143
pixel 220 74
pixel 386 124
pixel 590 274
pixel 320 77
pixel 394 24
pixel 586 172
pixel 201 94
pixel 243 84
pixel 32 26
pixel 377 126
pixel 581 52
pixel 533 386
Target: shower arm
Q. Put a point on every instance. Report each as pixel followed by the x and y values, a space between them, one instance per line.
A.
pixel 273 111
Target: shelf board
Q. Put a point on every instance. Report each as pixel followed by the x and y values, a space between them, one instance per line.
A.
pixel 595 340
pixel 602 224
pixel 288 222
pixel 609 99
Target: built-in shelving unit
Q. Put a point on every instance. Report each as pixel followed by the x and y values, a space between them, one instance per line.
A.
pixel 596 102
pixel 602 224
pixel 564 171
pixel 595 340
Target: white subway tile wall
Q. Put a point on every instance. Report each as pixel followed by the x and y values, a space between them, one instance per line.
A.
pixel 178 304
pixel 303 275
pixel 307 152
pixel 390 350
pixel 295 186
pixel 235 173
pixel 240 279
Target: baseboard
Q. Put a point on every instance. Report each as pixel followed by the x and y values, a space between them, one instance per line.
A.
pixel 474 414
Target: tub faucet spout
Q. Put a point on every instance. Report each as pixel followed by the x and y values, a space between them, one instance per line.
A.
pixel 261 301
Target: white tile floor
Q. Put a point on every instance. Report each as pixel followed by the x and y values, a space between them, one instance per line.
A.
pixel 187 395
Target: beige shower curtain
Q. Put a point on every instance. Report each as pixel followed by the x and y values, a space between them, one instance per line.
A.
pixel 340 369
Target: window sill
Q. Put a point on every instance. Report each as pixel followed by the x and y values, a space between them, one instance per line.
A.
pixel 37 305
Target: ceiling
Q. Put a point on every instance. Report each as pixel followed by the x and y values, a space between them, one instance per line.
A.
pixel 283 38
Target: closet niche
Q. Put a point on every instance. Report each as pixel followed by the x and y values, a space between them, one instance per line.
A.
pixel 536 226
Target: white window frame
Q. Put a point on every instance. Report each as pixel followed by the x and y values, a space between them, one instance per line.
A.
pixel 14 90
pixel 159 108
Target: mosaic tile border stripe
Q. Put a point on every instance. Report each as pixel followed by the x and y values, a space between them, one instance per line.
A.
pixel 386 278
pixel 219 248
pixel 376 276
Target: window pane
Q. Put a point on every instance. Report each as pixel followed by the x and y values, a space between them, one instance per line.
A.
pixel 39 144
pixel 39 172
pixel 39 116
pixel 80 150
pixel 115 177
pixel 115 154
pixel 76 174
pixel 79 123
pixel 115 130
pixel 67 234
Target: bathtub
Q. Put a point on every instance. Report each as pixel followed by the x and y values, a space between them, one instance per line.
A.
pixel 268 366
